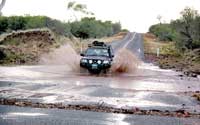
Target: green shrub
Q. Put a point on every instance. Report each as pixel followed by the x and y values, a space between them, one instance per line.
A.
pixel 92 28
pixel 3 24
pixel 85 28
pixel 163 31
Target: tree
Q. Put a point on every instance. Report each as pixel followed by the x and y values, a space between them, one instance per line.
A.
pixel 187 26
pixel 2 5
pixel 163 31
pixel 16 23
pixel 92 28
pixel 3 24
pixel 76 7
pixel 116 27
pixel 159 17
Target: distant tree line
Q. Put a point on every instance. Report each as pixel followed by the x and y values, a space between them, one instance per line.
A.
pixel 185 31
pixel 14 23
pixel 85 28
pixel 92 28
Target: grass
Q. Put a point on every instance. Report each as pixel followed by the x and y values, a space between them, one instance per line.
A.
pixel 151 44
pixel 170 57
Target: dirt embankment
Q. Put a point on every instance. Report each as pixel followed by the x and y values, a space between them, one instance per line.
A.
pixel 25 47
pixel 170 58
pixel 68 54
pixel 32 46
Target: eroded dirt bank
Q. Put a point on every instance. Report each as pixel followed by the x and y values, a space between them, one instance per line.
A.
pixel 25 47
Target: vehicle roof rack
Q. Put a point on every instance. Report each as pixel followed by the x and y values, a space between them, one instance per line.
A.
pixel 97 44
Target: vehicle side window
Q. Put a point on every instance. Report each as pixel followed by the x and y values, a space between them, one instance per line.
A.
pixel 105 52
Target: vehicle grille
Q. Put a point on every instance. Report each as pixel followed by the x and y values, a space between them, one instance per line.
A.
pixel 94 61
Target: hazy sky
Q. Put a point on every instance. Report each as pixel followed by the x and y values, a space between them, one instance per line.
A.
pixel 135 15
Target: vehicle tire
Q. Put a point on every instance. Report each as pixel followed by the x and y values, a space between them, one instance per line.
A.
pixel 105 71
pixel 95 71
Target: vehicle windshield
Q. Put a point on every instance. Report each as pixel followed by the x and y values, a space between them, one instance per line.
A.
pixel 97 52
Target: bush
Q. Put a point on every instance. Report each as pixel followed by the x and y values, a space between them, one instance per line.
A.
pixel 3 24
pixel 185 31
pixel 92 28
pixel 14 23
pixel 85 28
pixel 35 22
pixel 175 31
pixel 163 31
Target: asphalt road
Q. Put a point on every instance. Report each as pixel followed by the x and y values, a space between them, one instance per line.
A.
pixel 127 42
pixel 148 88
pixel 12 115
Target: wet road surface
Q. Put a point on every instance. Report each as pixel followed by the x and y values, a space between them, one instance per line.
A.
pixel 12 115
pixel 148 88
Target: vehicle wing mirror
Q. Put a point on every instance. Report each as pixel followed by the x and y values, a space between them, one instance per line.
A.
pixel 82 54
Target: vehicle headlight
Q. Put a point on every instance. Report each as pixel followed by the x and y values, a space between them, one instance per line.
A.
pixel 90 61
pixel 99 61
pixel 84 60
pixel 105 62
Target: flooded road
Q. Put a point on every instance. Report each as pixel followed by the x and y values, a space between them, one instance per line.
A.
pixel 148 88
pixel 35 116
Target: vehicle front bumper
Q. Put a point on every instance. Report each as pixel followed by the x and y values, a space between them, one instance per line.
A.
pixel 95 66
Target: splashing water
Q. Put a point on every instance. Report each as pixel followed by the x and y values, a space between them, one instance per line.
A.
pixel 125 62
pixel 64 55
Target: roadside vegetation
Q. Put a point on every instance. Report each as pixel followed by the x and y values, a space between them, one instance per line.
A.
pixel 178 42
pixel 185 32
pixel 26 46
pixel 84 28
pixel 24 39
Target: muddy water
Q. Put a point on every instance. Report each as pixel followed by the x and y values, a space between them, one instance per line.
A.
pixel 124 61
pixel 136 84
pixel 64 55
pixel 149 87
